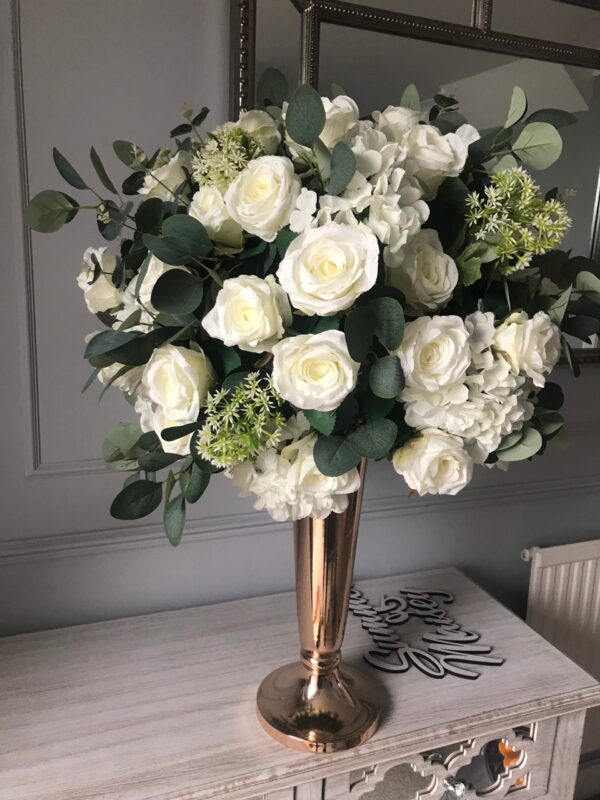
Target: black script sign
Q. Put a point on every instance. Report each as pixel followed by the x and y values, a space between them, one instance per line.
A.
pixel 447 647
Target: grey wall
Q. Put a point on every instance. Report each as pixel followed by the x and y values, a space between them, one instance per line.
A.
pixel 81 72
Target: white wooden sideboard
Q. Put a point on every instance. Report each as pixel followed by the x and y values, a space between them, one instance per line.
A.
pixel 161 707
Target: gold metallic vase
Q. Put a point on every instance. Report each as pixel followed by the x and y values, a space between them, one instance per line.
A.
pixel 318 704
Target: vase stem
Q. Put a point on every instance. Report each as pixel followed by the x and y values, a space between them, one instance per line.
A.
pixel 319 704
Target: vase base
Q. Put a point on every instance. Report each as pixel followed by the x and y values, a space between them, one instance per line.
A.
pixel 318 712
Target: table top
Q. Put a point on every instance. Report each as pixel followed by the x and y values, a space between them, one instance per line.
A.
pixel 161 707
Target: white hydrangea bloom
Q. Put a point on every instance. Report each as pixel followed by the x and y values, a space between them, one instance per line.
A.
pixel 286 481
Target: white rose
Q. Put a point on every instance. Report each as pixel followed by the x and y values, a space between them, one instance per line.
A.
pixel 208 207
pixel 249 312
pixel 263 196
pixel 434 463
pixel 102 294
pixel 164 180
pixel 395 122
pixel 435 352
pixel 426 275
pixel 314 371
pixel 155 270
pixel 263 128
pixel 531 345
pixel 392 223
pixel 325 269
pixel 433 156
pixel 341 119
pixel 174 386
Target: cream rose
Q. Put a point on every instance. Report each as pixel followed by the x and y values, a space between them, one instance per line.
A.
pixel 100 294
pixel 249 312
pixel 433 156
pixel 325 269
pixel 164 180
pixel 263 129
pixel 531 345
pixel 208 207
pixel 425 275
pixel 395 122
pixel 174 386
pixel 314 371
pixel 263 196
pixel 434 463
pixel 341 120
pixel 435 352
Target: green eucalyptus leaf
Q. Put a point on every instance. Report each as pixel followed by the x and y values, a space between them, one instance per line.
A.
pixel 305 116
pixel 375 439
pixel 551 397
pixel 67 170
pixel 505 163
pixel 581 327
pixel 49 210
pixel 510 440
pixel 323 159
pixel 133 183
pixel 538 145
pixel 554 116
pixel 148 440
pixel 530 443
pixel 181 130
pixel 101 171
pixel 548 422
pixel 386 378
pixel 389 321
pixel 518 107
pixel 284 239
pixel 343 167
pixel 198 482
pixel 138 351
pixel 374 407
pixel 200 116
pixel 149 215
pixel 334 455
pixel 124 151
pixel 122 442
pixel 179 431
pixel 105 341
pixel 359 327
pixel 410 98
pixel 174 519
pixel 137 500
pixel 152 462
pixel 588 284
pixel 557 310
pixel 322 421
pixel 444 100
pixel 177 292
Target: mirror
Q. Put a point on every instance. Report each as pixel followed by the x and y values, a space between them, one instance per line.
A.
pixel 302 37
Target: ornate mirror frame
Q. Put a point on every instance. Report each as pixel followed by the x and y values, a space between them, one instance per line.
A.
pixel 478 35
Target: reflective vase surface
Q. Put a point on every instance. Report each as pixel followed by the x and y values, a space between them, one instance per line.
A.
pixel 318 704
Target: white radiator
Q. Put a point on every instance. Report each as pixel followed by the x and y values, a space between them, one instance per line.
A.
pixel 564 607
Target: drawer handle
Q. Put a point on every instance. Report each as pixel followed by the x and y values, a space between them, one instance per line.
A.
pixel 455 789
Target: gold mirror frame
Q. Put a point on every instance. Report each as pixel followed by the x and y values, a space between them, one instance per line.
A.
pixel 478 35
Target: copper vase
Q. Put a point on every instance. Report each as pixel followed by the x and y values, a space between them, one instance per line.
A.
pixel 318 704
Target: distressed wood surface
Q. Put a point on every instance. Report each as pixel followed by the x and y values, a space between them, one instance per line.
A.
pixel 161 707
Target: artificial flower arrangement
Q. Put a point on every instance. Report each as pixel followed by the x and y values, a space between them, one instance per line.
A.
pixel 304 288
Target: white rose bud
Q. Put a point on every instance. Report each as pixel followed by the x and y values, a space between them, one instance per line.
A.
pixel 433 156
pixel 249 312
pixel 531 345
pixel 435 352
pixel 425 274
pixel 164 180
pixel 395 122
pixel 325 269
pixel 174 386
pixel 263 128
pixel 263 196
pixel 434 463
pixel 208 207
pixel 102 294
pixel 341 120
pixel 314 371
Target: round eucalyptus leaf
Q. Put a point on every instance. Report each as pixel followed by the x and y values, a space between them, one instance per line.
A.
pixel 375 439
pixel 538 145
pixel 389 321
pixel 343 167
pixel 305 116
pixel 555 116
pixel 410 98
pixel 198 481
pixel 322 421
pixel 528 446
pixel 386 378
pixel 359 327
pixel 177 292
pixel 548 422
pixel 334 455
pixel 49 210
pixel 272 88
pixel 518 107
pixel 152 462
pixel 137 500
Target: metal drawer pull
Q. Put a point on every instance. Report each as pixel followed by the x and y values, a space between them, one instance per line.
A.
pixel 455 789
